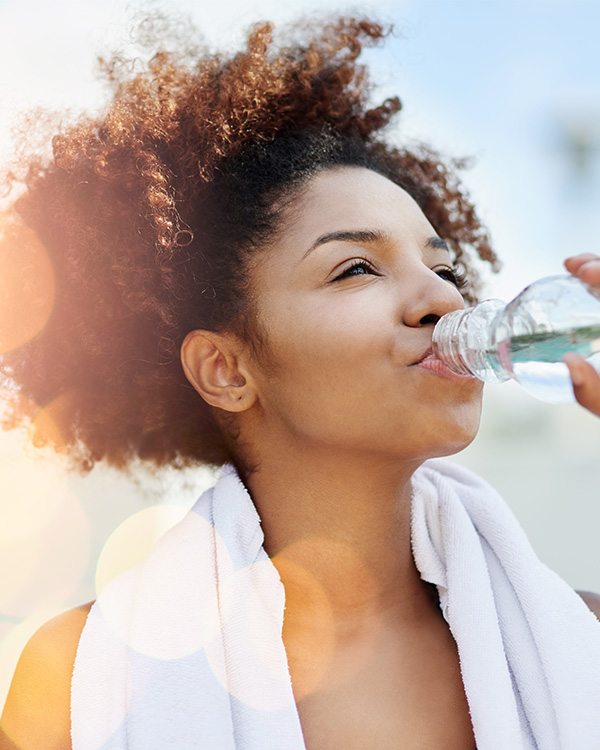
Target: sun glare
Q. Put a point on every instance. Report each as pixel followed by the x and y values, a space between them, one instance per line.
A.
pixel 26 286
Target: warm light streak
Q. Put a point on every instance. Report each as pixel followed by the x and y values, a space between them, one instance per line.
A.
pixel 13 643
pixel 44 534
pixel 252 630
pixel 330 593
pixel 45 426
pixel 26 286
pixel 308 626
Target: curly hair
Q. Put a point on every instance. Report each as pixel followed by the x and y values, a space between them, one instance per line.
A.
pixel 149 214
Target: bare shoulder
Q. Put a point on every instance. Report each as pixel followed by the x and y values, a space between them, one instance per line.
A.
pixel 592 600
pixel 37 709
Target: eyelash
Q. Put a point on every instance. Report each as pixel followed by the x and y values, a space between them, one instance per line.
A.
pixel 453 275
pixel 356 263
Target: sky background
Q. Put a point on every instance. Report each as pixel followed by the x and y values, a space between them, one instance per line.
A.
pixel 516 85
pixel 502 81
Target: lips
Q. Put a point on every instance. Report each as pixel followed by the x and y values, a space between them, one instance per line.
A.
pixel 430 362
pixel 428 354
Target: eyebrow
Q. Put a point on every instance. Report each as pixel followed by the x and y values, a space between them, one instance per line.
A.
pixel 370 237
pixel 437 243
pixel 365 236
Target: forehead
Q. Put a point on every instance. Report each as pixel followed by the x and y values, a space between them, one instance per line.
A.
pixel 347 198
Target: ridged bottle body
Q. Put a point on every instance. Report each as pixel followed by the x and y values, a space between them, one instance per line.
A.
pixel 525 339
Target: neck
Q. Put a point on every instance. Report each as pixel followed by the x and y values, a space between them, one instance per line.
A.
pixel 338 530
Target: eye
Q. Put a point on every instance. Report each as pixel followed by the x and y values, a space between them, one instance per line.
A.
pixel 453 275
pixel 358 267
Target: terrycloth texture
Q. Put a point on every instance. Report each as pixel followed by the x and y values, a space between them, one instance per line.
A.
pixel 185 650
pixel 529 647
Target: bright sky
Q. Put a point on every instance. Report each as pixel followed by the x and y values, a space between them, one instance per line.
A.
pixel 496 79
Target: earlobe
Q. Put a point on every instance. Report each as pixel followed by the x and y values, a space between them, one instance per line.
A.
pixel 214 365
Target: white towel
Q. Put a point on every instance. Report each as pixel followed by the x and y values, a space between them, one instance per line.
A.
pixel 529 647
pixel 185 650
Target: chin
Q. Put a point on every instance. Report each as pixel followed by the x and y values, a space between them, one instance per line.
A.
pixel 451 450
pixel 453 437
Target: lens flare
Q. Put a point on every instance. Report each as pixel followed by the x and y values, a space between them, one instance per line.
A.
pixel 13 642
pixel 27 285
pixel 45 426
pixel 131 542
pixel 318 599
pixel 44 535
pixel 264 687
pixel 175 614
pixel 30 492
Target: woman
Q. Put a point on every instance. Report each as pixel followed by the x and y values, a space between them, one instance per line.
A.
pixel 237 229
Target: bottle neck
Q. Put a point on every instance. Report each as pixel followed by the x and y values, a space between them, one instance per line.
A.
pixel 463 340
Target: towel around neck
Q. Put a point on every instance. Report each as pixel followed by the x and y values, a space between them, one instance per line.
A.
pixel 186 651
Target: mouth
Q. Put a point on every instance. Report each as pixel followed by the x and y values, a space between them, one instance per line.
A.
pixel 434 365
pixel 426 355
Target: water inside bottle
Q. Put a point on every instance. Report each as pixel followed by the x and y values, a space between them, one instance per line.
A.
pixel 537 360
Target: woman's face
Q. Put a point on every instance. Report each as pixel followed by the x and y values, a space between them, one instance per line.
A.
pixel 347 297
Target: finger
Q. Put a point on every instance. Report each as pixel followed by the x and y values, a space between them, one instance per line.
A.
pixel 590 272
pixel 574 263
pixel 586 382
pixel 585 267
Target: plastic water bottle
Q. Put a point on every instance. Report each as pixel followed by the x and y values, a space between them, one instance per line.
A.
pixel 525 339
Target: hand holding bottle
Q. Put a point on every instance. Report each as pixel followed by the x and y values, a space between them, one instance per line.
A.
pixel 586 381
pixel 527 338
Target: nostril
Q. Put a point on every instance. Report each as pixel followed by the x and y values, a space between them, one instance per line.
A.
pixel 429 319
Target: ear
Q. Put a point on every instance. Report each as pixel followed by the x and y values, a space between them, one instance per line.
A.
pixel 214 363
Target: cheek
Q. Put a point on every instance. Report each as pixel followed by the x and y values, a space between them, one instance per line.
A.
pixel 341 379
pixel 328 392
pixel 326 353
pixel 321 377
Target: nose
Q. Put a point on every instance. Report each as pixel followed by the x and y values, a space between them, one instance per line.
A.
pixel 430 298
